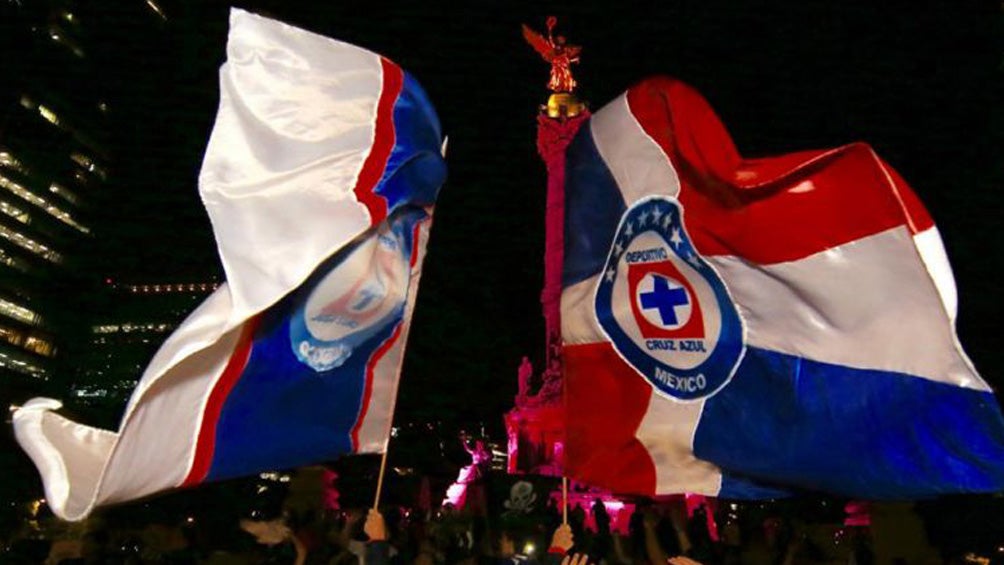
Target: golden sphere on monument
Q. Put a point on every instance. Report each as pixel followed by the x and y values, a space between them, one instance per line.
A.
pixel 563 105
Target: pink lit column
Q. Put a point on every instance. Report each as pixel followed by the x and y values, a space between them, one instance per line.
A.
pixel 553 137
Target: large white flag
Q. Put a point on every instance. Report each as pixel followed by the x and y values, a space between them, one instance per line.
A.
pixel 319 178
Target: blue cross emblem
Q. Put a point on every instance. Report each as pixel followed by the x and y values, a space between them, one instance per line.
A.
pixel 664 299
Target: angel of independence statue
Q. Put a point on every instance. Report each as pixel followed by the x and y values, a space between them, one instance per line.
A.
pixel 562 103
pixel 558 53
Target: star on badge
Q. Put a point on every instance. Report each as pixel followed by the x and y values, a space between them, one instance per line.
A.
pixel 656 214
pixel 675 239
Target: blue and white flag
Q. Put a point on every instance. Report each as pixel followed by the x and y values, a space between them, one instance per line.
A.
pixel 320 176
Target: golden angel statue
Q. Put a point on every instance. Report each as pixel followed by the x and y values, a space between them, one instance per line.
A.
pixel 558 53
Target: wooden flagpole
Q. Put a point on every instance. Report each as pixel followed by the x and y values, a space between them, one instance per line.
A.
pixel 564 499
pixel 383 469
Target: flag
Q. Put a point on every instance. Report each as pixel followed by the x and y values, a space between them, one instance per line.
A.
pixel 319 179
pixel 740 327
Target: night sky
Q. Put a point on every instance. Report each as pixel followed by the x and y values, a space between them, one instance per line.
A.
pixel 921 82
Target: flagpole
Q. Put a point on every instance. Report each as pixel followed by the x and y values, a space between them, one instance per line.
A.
pixel 383 468
pixel 409 308
pixel 564 499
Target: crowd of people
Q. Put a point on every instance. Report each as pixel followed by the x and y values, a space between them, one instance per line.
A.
pixel 309 530
pixel 658 533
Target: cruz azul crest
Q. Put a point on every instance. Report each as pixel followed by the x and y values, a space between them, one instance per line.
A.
pixel 664 308
pixel 356 297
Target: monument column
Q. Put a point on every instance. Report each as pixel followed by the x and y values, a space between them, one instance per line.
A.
pixel 536 424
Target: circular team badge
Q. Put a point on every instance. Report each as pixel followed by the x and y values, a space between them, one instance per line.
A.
pixel 360 295
pixel 664 308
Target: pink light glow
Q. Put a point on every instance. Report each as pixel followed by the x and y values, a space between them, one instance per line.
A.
pixel 455 495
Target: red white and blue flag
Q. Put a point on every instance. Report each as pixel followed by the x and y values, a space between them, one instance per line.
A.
pixel 320 176
pixel 740 327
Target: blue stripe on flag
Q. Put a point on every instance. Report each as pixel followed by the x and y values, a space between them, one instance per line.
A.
pixel 815 425
pixel 281 413
pixel 593 209
pixel 415 169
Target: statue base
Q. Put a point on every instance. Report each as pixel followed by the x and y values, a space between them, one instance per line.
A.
pixel 536 439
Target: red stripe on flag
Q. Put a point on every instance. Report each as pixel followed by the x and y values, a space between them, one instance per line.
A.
pixel 383 143
pixel 416 232
pixel 605 401
pixel 205 445
pixel 774 209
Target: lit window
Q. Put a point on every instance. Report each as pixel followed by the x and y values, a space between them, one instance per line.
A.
pixel 12 262
pixel 40 346
pixel 21 365
pixel 48 114
pixel 8 160
pixel 62 38
pixel 63 192
pixel 14 212
pixel 30 244
pixel 170 287
pixel 52 210
pixel 156 9
pixel 83 392
pixel 87 163
pixel 18 312
pixel 12 336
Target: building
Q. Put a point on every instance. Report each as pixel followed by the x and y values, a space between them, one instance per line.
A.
pixel 123 337
pixel 52 161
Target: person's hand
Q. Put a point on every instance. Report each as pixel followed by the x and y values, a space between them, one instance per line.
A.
pixel 681 560
pixel 577 559
pixel 375 527
pixel 563 538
